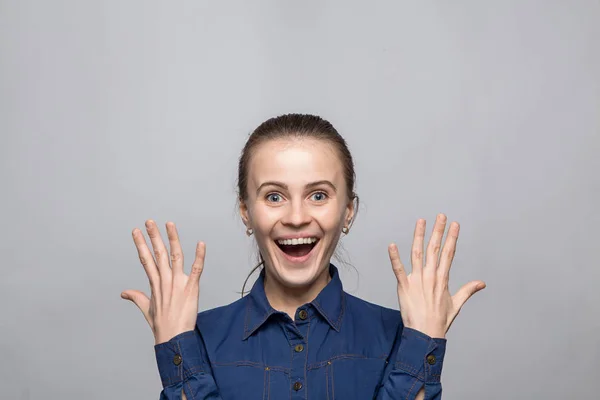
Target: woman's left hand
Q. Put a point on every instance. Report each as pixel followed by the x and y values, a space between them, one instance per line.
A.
pixel 425 301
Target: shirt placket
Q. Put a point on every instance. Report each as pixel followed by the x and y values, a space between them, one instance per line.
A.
pixel 299 346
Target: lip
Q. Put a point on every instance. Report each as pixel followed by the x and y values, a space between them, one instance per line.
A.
pixel 298 260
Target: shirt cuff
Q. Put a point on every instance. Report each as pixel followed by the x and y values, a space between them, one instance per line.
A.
pixel 420 355
pixel 179 358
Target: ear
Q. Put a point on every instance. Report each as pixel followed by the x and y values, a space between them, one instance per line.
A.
pixel 244 213
pixel 350 211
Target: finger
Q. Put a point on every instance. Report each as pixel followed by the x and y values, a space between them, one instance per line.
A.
pixel 162 259
pixel 198 265
pixel 140 300
pixel 435 243
pixel 448 252
pixel 465 293
pixel 175 249
pixel 147 261
pixel 397 266
pixel 158 247
pixel 416 255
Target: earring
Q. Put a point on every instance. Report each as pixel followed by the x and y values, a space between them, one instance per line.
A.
pixel 249 231
pixel 345 230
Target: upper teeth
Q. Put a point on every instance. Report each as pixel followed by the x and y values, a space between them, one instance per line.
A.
pixel 297 241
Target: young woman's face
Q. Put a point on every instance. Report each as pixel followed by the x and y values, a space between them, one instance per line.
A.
pixel 297 205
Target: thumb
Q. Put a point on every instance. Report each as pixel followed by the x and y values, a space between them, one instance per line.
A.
pixel 465 292
pixel 140 300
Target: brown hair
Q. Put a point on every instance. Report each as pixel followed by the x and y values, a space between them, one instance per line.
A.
pixel 298 126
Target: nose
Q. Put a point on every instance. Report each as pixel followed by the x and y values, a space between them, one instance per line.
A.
pixel 296 215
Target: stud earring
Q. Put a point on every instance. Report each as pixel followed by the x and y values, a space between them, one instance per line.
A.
pixel 345 230
pixel 249 231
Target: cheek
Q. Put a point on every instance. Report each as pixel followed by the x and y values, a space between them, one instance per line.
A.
pixel 264 219
pixel 263 223
pixel 330 220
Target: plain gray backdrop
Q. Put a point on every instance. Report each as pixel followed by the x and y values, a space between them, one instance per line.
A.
pixel 114 112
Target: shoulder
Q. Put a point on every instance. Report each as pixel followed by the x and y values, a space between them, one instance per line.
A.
pixel 222 319
pixel 370 314
pixel 370 308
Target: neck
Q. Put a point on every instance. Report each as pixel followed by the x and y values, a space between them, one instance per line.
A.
pixel 288 299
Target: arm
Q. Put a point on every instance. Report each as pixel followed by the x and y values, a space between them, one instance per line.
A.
pixel 184 370
pixel 428 309
pixel 172 312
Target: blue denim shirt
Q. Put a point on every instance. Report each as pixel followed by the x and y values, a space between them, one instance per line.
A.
pixel 337 347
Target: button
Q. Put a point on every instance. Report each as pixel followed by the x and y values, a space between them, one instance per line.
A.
pixel 299 348
pixel 177 359
pixel 297 386
pixel 302 314
pixel 431 359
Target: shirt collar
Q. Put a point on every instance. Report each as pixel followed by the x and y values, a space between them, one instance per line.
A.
pixel 330 303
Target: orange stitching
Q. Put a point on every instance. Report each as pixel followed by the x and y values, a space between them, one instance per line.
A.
pixel 411 388
pixel 327 380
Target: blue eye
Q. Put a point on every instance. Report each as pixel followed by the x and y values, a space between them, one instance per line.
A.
pixel 319 196
pixel 273 197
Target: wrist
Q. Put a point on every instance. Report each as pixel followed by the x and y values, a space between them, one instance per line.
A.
pixel 166 337
pixel 434 333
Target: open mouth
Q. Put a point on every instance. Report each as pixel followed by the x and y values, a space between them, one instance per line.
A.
pixel 297 248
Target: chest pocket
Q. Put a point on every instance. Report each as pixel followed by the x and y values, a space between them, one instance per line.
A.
pixel 242 380
pixel 353 377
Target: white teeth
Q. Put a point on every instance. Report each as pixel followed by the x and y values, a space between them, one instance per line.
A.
pixel 289 242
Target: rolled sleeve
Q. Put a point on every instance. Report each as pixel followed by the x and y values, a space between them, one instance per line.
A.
pixel 179 358
pixel 421 356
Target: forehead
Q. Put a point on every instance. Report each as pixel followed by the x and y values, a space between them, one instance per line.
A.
pixel 294 161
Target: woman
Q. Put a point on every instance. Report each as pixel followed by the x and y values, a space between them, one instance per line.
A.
pixel 297 334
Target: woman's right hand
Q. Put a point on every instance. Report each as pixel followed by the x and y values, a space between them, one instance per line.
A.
pixel 173 304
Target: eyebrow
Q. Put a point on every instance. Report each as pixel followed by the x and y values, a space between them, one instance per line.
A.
pixel 285 187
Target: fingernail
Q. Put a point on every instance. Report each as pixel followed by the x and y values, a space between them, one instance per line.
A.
pixel 124 296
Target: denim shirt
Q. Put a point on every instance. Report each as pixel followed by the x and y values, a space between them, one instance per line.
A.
pixel 337 347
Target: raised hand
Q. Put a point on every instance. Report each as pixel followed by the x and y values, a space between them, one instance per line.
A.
pixel 425 301
pixel 173 304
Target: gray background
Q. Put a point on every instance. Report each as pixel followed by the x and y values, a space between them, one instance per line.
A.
pixel 118 111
